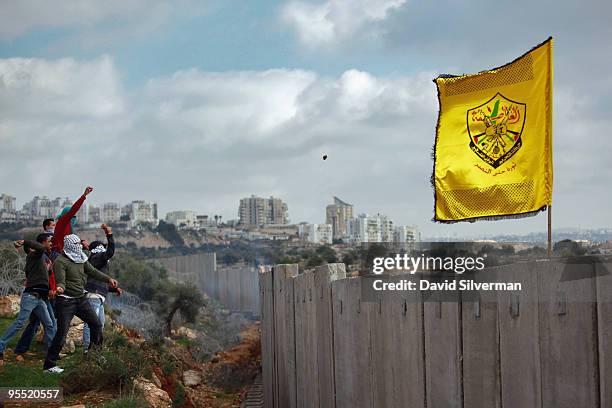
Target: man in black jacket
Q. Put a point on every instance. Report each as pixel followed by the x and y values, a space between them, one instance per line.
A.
pixel 35 295
pixel 99 256
pixel 29 332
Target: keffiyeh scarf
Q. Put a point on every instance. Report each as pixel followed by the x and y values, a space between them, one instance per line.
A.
pixel 73 249
pixel 98 250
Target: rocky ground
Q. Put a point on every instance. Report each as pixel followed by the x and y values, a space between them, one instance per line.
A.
pixel 178 376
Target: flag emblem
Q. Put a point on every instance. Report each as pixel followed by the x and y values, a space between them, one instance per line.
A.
pixel 495 129
pixel 493 147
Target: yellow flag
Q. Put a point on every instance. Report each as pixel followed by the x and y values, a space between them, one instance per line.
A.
pixel 493 148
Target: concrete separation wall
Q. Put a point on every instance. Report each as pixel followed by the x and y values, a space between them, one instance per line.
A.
pixel 546 346
pixel 235 287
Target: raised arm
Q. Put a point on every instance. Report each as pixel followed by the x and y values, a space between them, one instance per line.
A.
pixel 62 227
pixel 110 242
pixel 75 207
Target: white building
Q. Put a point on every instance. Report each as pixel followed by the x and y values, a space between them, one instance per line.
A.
pixel 58 204
pixel 257 211
pixel 320 233
pixel 8 216
pixel 141 212
pixel 8 203
pixel 406 233
pixel 303 231
pixel 206 222
pixel 94 214
pixel 110 212
pixel 182 219
pixel 83 215
pixel 366 228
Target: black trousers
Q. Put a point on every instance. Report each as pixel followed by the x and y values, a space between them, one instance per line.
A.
pixel 66 309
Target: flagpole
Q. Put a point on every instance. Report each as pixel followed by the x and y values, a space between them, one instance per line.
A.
pixel 549 250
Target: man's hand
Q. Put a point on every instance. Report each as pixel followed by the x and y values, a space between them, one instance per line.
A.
pixel 119 291
pixel 85 244
pixel 88 190
pixel 107 230
pixel 60 290
pixel 52 294
pixel 113 283
pixel 18 244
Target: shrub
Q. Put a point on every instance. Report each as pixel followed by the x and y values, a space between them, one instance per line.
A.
pixel 111 367
pixel 126 402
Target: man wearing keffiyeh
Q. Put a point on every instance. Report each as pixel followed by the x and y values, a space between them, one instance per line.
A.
pixel 64 226
pixel 71 271
pixel 100 255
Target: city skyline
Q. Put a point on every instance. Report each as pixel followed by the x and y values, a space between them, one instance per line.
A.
pixel 577 229
pixel 158 101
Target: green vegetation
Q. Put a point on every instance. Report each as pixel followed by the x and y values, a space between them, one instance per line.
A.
pixel 10 231
pixel 568 248
pixel 179 395
pixel 179 297
pixel 136 275
pixel 170 233
pixel 127 402
pixel 112 367
pixel 22 374
pixel 184 341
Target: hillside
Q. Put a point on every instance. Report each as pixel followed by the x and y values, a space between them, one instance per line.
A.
pixel 131 372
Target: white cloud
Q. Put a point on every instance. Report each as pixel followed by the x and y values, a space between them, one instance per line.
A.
pixel 121 18
pixel 220 108
pixel 323 24
pixel 199 137
pixel 201 140
pixel 32 88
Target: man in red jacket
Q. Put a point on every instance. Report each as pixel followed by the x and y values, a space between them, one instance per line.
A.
pixel 66 221
pixel 63 226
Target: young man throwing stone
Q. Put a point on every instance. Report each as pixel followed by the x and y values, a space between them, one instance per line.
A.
pixel 71 271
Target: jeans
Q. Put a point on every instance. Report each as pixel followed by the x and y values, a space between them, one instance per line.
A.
pixel 66 309
pixel 98 307
pixel 30 303
pixel 30 331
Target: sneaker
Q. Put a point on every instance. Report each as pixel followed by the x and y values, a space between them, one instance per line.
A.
pixel 54 370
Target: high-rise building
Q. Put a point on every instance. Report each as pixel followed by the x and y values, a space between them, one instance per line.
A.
pixel 95 214
pixel 278 211
pixel 338 215
pixel 44 207
pixel 110 212
pixel 83 215
pixel 182 219
pixel 257 211
pixel 58 204
pixel 141 212
pixel 8 208
pixel 41 207
pixel 8 203
pixel 320 233
pixel 366 228
pixel 406 233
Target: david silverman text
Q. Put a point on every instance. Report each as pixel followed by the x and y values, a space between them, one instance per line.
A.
pixel 463 284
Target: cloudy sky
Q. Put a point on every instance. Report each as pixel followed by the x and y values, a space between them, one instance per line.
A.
pixel 195 104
